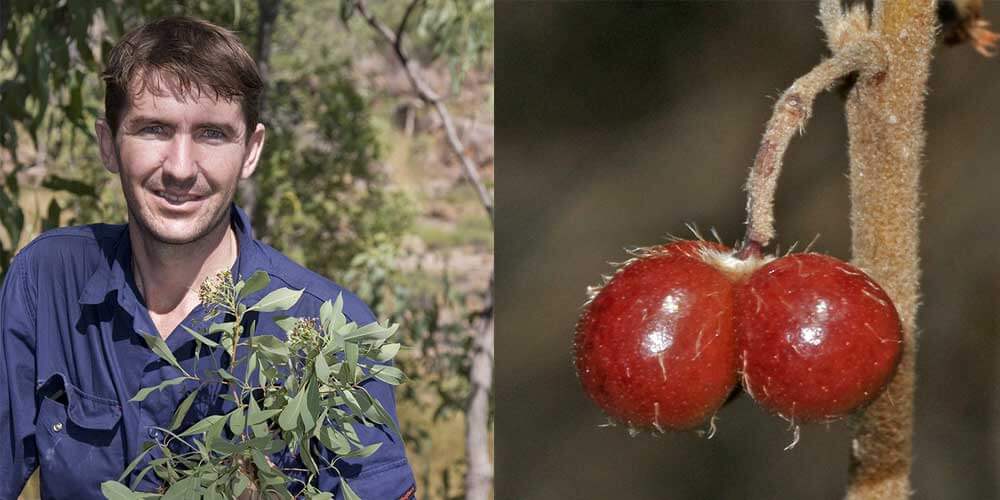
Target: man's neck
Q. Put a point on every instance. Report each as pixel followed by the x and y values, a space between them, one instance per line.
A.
pixel 168 276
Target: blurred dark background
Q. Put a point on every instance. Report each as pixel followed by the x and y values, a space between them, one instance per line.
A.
pixel 619 123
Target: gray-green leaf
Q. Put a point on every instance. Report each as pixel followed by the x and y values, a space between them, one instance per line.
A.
pixel 113 490
pixel 290 415
pixel 388 374
pixel 277 300
pixel 349 494
pixel 146 391
pixel 182 409
pixel 160 348
pixel 202 425
pixel 201 338
pixel 256 283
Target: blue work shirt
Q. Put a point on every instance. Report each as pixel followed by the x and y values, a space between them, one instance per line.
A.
pixel 71 358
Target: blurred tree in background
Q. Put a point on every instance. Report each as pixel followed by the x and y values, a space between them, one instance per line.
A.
pixel 356 181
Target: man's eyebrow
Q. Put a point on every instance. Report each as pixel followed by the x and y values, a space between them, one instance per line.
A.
pixel 144 119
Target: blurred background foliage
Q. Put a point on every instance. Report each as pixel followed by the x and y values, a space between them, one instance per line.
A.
pixel 356 181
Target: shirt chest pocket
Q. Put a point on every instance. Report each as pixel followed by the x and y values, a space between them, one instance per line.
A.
pixel 79 439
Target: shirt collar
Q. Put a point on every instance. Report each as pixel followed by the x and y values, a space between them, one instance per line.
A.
pixel 116 276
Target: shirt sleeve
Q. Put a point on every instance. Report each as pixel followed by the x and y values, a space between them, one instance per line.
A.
pixel 18 456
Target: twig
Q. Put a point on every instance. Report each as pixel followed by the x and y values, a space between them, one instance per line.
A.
pixel 791 113
pixel 428 95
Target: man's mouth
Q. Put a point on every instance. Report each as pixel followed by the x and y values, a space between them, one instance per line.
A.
pixel 177 199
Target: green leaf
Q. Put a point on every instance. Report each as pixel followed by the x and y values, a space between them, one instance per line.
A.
pixel 364 451
pixel 338 319
pixel 351 359
pixel 372 332
pixel 214 437
pixel 322 369
pixel 307 457
pixel 259 429
pixel 241 484
pixel 262 416
pixel 325 314
pixel 113 490
pixel 184 489
pixel 160 348
pixel 387 352
pixel 256 283
pixel 349 494
pixel 286 323
pixel 237 421
pixel 271 344
pixel 386 418
pixel 312 408
pixel 146 391
pixel 182 409
pixel 277 300
pixel 200 338
pixel 388 374
pixel 353 403
pixel 202 425
pixel 228 377
pixel 333 440
pixel 290 414
pixel 221 327
pixel 135 461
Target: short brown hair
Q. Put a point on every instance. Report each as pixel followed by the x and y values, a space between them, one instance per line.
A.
pixel 197 55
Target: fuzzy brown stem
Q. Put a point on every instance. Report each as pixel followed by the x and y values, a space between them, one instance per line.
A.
pixel 791 113
pixel 885 129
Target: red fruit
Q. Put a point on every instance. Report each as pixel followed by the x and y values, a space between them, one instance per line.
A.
pixel 818 338
pixel 656 347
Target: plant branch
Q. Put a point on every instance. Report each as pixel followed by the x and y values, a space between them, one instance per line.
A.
pixel 428 95
pixel 886 135
pixel 402 24
pixel 791 113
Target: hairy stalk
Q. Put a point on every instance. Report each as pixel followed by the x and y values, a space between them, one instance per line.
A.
pixel 791 113
pixel 885 129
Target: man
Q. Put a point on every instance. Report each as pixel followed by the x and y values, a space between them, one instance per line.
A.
pixel 181 130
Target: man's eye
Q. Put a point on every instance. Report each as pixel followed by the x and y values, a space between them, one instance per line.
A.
pixel 211 133
pixel 153 130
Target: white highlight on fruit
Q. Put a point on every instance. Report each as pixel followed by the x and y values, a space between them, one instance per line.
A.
pixel 812 335
pixel 657 341
pixel 671 304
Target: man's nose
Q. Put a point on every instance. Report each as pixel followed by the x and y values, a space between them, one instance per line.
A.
pixel 181 165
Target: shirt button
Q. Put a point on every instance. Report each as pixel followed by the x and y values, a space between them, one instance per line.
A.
pixel 154 433
pixel 56 427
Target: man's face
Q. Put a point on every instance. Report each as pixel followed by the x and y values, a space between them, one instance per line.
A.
pixel 180 159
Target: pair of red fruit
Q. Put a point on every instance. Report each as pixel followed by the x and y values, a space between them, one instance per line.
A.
pixel 664 342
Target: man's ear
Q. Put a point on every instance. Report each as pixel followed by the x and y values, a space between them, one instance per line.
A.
pixel 106 141
pixel 254 148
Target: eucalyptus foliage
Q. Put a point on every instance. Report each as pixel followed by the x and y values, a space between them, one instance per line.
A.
pixel 295 396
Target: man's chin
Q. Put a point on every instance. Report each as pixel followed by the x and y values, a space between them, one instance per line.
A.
pixel 180 233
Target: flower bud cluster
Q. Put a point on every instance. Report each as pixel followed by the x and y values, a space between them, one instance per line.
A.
pixel 216 291
pixel 305 336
